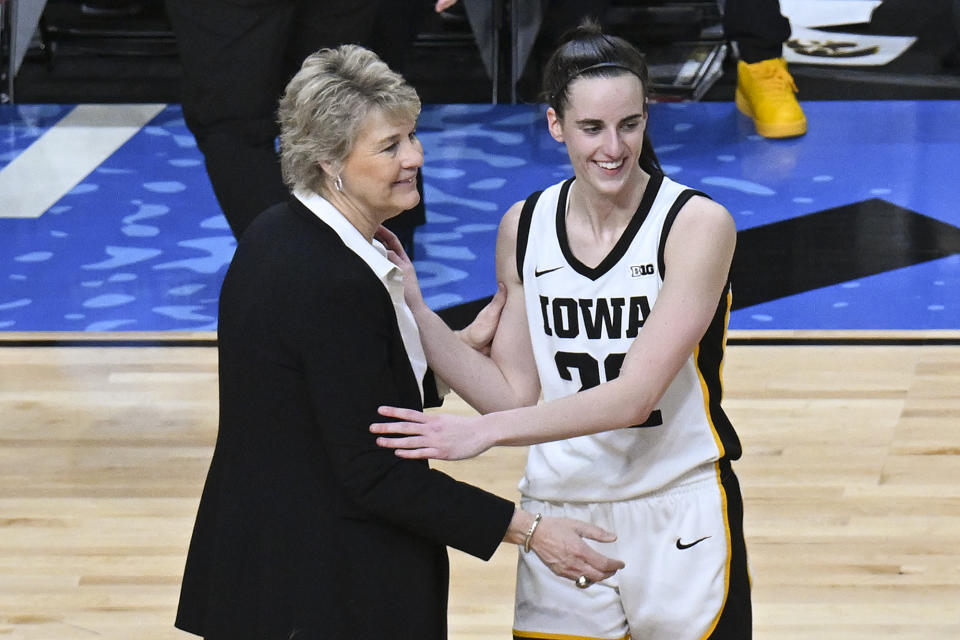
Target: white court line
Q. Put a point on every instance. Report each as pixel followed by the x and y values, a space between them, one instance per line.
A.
pixel 66 154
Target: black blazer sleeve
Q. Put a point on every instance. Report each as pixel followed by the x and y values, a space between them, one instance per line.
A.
pixel 431 396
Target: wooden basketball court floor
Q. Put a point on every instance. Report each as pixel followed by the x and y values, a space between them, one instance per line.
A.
pixel 850 477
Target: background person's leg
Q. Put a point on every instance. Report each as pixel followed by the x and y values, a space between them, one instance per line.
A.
pixel 232 57
pixel 237 58
pixel 766 91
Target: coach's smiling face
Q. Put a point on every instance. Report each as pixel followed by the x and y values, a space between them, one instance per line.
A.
pixel 379 177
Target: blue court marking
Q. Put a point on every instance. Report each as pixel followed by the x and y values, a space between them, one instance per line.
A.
pixel 923 296
pixel 140 244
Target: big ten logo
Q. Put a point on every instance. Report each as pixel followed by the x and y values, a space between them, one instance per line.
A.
pixel 637 270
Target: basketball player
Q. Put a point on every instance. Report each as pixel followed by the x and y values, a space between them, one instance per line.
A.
pixel 617 302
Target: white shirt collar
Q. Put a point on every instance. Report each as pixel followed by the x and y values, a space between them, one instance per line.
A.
pixel 373 253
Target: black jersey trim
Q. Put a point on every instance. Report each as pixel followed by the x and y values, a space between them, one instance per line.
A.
pixel 681 200
pixel 709 356
pixel 523 229
pixel 619 249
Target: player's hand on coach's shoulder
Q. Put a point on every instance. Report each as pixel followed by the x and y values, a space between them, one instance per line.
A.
pixel 398 256
pixel 478 335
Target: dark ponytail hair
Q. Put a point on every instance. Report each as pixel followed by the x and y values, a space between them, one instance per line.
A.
pixel 587 52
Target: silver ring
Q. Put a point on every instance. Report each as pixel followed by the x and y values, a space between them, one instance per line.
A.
pixel 583 582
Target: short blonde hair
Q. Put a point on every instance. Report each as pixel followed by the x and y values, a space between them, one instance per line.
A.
pixel 324 105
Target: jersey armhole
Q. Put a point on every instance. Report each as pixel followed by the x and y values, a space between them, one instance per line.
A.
pixel 681 200
pixel 523 229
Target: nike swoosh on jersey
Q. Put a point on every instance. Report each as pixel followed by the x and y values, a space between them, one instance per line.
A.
pixel 681 545
pixel 538 273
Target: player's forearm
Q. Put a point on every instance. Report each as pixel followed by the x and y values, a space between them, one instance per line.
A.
pixel 613 405
pixel 473 375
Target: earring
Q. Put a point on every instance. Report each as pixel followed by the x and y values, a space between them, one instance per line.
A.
pixel 338 183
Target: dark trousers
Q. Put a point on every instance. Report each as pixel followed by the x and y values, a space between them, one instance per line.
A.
pixel 238 56
pixel 757 27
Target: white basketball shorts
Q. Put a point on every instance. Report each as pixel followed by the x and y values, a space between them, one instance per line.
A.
pixel 686 572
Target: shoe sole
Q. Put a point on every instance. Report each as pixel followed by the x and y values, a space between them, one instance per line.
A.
pixel 771 130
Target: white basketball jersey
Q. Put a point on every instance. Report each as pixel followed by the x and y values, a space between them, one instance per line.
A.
pixel 582 320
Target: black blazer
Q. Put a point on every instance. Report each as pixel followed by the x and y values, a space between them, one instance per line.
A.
pixel 306 529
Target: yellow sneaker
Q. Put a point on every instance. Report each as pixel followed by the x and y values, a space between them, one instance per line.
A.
pixel 766 92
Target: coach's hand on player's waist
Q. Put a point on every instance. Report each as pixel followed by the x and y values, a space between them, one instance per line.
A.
pixel 559 543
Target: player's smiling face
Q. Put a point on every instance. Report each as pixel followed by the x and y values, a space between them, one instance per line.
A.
pixel 603 126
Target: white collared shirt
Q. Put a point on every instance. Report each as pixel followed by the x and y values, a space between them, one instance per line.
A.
pixel 375 255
